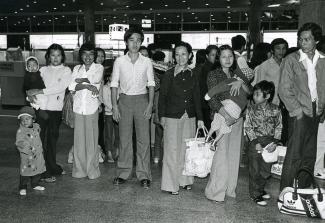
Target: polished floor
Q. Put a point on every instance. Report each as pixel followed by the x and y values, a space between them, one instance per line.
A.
pixel 83 200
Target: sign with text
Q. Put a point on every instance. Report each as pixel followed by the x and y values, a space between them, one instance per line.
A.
pixel 117 31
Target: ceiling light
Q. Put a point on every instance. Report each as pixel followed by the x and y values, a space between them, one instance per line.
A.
pixel 21 9
pixel 63 4
pixel 229 20
pixel 193 13
pixel 228 0
pixel 114 17
pixel 195 17
pixel 183 1
pixel 207 4
pixel 188 8
pixel 228 12
pixel 125 14
pixel 229 17
pixel 47 11
pixel 165 18
pixel 34 2
pixel 170 22
pixel 133 19
pixel 158 14
pixel 274 5
pixel 54 8
pixel 211 15
pixel 80 10
pixel 16 12
pixel 27 6
pixel 141 2
pixel 198 21
pixel 123 21
pixel 63 16
pixel 228 6
pixel 127 6
pixel 102 3
pixel 69 21
pixel 34 16
pixel 150 9
pixel 38 24
pixel 145 16
pixel 177 16
pixel 166 5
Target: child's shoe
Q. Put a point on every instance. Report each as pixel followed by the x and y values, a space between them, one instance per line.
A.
pixel 110 157
pixel 259 200
pixel 266 196
pixel 40 188
pixel 23 192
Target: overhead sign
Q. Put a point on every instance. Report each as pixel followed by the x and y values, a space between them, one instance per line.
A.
pixel 117 31
pixel 146 23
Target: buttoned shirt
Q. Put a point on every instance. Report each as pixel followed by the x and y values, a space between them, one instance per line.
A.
pixel 310 65
pixel 133 78
pixel 263 121
pixel 269 70
pixel 84 102
pixel 56 80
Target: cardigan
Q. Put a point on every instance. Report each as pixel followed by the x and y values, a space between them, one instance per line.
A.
pixel 179 93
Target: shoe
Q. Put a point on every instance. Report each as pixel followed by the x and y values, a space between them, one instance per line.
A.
pixel 266 196
pixel 101 154
pixel 117 181
pixel 49 179
pixel 63 172
pixel 145 183
pixel 174 193
pixel 40 188
pixel 110 157
pixel 156 160
pixel 259 200
pixel 70 156
pixel 23 192
pixel 187 187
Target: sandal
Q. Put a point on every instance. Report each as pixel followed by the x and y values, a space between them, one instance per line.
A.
pixel 49 179
pixel 187 187
pixel 174 193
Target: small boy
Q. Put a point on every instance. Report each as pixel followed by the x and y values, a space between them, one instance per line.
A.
pixel 33 80
pixel 263 126
pixel 29 144
pixel 111 127
pixel 233 104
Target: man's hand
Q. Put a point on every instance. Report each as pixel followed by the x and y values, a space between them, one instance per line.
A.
pixel 200 124
pixel 116 114
pixel 163 122
pixel 259 148
pixel 300 115
pixel 147 113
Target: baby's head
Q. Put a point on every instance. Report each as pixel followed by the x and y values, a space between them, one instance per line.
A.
pixel 263 92
pixel 26 116
pixel 32 64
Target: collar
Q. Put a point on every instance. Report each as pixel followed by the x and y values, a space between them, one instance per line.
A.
pixel 91 66
pixel 129 59
pixel 303 56
pixel 240 54
pixel 57 67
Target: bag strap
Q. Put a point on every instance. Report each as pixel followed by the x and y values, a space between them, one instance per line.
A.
pixel 314 183
pixel 205 132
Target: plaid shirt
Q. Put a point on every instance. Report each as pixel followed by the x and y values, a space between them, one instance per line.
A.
pixel 263 121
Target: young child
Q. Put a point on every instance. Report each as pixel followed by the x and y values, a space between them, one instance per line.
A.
pixel 111 127
pixel 233 104
pixel 29 144
pixel 263 126
pixel 33 80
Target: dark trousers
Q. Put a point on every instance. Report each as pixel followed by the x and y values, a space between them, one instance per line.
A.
pixel 159 134
pixel 301 151
pixel 101 126
pixel 259 170
pixel 112 138
pixel 24 180
pixel 207 117
pixel 49 136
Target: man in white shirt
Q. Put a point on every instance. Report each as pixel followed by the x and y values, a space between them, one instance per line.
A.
pixel 133 74
pixel 302 90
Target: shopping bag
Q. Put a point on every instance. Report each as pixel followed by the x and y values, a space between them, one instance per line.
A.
pixel 198 157
pixel 67 111
pixel 277 167
pixel 303 202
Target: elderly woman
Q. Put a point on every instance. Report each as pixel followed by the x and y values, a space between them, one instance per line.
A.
pixel 225 166
pixel 179 106
pixel 86 79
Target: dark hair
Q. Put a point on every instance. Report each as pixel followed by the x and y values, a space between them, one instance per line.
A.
pixel 126 51
pixel 144 48
pixel 321 45
pixel 227 47
pixel 152 47
pixel 279 41
pixel 97 49
pixel 315 29
pixel 260 52
pixel 54 46
pixel 237 42
pixel 87 47
pixel 158 56
pixel 131 31
pixel 266 87
pixel 188 48
pixel 210 48
pixel 200 57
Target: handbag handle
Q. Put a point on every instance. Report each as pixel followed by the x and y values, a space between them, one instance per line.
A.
pixel 205 132
pixel 315 185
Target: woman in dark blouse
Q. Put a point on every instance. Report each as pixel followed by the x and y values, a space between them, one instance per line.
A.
pixel 179 106
pixel 225 166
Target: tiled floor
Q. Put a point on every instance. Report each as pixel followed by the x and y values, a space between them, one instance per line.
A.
pixel 83 200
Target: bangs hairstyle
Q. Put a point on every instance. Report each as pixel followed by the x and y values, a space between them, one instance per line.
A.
pixel 266 87
pixel 227 47
pixel 97 49
pixel 279 41
pixel 131 31
pixel 54 46
pixel 87 47
pixel 315 29
pixel 238 42
pixel 188 48
pixel 210 48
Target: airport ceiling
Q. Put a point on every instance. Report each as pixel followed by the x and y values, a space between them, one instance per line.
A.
pixel 50 6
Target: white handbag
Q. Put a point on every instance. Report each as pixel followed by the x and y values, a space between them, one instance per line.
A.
pixel 198 157
pixel 303 202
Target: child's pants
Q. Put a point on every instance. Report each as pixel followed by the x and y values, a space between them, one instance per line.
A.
pixel 259 170
pixel 24 180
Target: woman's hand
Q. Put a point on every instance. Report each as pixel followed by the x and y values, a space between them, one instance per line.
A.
pixel 235 87
pixel 93 89
pixel 147 113
pixel 200 124
pixel 116 114
pixel 163 122
pixel 229 120
pixel 82 80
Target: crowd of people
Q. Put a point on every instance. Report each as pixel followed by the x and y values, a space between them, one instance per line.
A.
pixel 275 98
